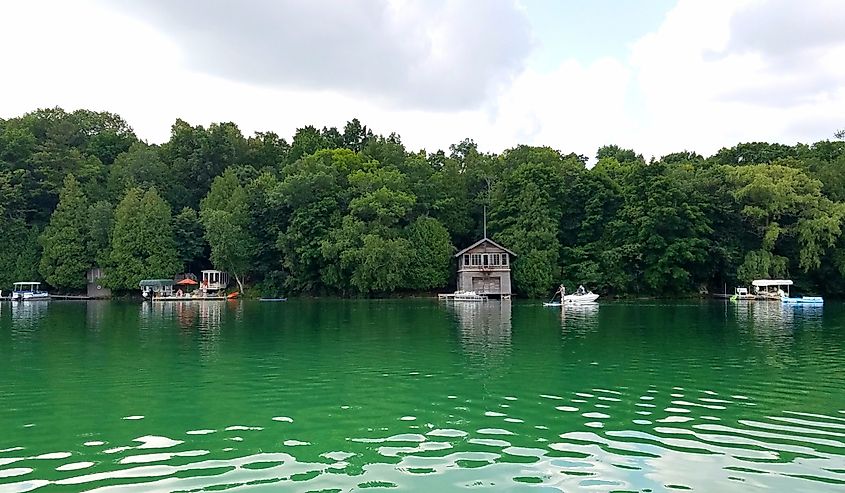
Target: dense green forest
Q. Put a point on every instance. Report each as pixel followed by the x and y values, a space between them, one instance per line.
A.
pixel 350 212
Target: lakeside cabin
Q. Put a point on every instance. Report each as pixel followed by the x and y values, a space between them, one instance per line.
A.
pixel 211 286
pixel 485 269
pixel 214 282
pixel 94 284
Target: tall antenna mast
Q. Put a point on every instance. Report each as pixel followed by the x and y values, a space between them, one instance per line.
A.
pixel 485 221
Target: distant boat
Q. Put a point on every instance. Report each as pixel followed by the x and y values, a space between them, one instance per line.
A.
pixel 581 296
pixel 811 300
pixel 28 291
pixel 272 299
pixel 587 297
pixel 771 289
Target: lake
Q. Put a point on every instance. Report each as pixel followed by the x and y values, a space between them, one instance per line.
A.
pixel 414 395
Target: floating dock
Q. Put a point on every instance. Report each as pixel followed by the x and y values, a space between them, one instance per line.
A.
pixel 462 296
pixel 191 298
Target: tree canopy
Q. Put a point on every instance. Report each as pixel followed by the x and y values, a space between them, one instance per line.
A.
pixel 348 211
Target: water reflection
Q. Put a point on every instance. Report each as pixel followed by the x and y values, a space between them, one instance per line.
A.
pixel 95 313
pixel 775 315
pixel 484 327
pixel 579 316
pixel 207 316
pixel 343 396
pixel 26 314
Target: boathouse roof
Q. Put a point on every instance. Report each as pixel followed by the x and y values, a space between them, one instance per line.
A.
pixel 479 242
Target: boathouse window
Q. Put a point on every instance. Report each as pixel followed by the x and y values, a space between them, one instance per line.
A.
pixel 494 259
pixel 466 259
pixel 504 259
pixel 485 259
pixel 476 259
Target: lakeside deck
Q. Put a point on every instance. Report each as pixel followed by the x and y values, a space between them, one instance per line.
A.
pixel 191 298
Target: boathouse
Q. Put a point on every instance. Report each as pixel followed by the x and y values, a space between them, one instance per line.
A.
pixel 485 267
pixel 94 283
pixel 214 282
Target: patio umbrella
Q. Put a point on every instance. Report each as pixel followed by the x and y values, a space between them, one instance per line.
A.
pixel 187 282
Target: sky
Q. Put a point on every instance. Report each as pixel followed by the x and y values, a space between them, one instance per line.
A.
pixel 659 76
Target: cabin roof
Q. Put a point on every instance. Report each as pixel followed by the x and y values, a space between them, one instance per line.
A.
pixel 482 240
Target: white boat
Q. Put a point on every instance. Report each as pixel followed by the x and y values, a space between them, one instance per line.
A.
pixel 587 297
pixel 580 296
pixel 28 291
pixel 812 300
pixel 771 289
pixel 154 289
pixel 463 296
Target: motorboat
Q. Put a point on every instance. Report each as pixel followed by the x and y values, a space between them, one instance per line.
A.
pixel 580 296
pixel 28 291
pixel 586 297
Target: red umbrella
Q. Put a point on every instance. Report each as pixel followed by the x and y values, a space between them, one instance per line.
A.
pixel 187 282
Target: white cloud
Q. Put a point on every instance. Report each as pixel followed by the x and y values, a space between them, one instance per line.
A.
pixel 705 87
pixel 699 82
pixel 429 54
pixel 575 108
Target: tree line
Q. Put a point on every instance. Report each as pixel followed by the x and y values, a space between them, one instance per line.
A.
pixel 353 213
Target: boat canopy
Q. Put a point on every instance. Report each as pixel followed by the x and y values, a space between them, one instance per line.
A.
pixel 22 284
pixel 762 283
pixel 155 283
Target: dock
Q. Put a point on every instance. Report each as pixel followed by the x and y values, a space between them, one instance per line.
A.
pixel 190 298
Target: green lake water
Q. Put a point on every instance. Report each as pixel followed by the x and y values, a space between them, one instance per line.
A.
pixel 413 395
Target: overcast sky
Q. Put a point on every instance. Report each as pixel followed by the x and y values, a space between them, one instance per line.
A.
pixel 657 76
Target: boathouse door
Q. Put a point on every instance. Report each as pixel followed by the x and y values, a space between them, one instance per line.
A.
pixel 487 285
